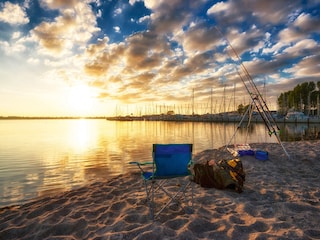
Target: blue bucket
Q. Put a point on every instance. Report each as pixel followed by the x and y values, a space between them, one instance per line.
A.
pixel 246 152
pixel 261 155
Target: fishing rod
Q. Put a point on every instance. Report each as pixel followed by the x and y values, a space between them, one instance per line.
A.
pixel 256 96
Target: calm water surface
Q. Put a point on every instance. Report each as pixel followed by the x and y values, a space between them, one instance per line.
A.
pixel 42 157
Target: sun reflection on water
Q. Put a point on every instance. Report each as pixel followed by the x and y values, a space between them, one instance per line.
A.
pixel 82 135
pixel 78 139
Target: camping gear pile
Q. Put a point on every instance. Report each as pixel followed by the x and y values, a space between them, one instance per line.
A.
pixel 221 175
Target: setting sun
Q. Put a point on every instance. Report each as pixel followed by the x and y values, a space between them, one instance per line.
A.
pixel 81 100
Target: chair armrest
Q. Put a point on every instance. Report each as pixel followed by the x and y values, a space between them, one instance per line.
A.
pixel 141 163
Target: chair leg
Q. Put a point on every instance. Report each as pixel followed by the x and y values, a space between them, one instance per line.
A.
pixel 152 209
pixel 155 185
pixel 149 198
pixel 181 192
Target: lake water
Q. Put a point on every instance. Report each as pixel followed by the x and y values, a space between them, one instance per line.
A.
pixel 42 157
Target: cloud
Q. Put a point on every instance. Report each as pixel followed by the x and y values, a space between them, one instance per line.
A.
pixel 117 29
pixel 103 56
pixel 244 41
pixel 199 38
pixel 144 19
pixel 303 25
pixel 145 50
pixel 274 12
pixel 74 26
pixel 290 35
pixel 132 2
pixel 16 45
pixel 169 16
pixel 58 4
pixel 304 47
pixel 13 14
pixel 308 66
pixel 55 36
pixel 274 49
pixel 16 35
pixel 290 63
pixel 297 31
pixel 118 11
pixel 307 24
pixel 265 11
pixel 144 63
pixel 199 62
pixel 220 7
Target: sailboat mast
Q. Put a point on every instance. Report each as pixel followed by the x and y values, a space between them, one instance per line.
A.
pixel 211 103
pixel 193 101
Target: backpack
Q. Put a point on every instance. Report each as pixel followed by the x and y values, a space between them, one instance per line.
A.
pixel 224 174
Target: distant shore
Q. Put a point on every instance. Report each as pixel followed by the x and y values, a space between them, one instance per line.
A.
pixel 235 118
pixel 281 200
pixel 211 118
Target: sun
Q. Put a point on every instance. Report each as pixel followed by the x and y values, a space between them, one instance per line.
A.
pixel 81 99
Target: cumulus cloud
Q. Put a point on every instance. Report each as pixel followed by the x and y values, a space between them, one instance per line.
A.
pixel 53 36
pixel 117 29
pixel 220 7
pixel 58 4
pixel 307 23
pixel 304 47
pixel 144 50
pixel 144 19
pixel 199 38
pixel 74 26
pixel 297 32
pixel 244 41
pixel 308 66
pixel 169 16
pixel 264 11
pixel 103 56
pixel 13 14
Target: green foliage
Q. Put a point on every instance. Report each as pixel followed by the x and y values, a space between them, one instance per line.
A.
pixel 242 109
pixel 301 98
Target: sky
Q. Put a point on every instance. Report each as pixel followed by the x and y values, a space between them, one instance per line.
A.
pixel 118 57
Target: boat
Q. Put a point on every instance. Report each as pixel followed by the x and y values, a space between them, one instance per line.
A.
pixel 296 117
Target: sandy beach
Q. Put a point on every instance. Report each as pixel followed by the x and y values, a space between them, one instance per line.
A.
pixel 281 200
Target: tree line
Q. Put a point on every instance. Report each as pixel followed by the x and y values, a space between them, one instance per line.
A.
pixel 304 97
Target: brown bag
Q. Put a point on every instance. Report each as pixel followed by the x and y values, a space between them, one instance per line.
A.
pixel 224 174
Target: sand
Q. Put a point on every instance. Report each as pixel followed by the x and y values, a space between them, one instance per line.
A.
pixel 281 200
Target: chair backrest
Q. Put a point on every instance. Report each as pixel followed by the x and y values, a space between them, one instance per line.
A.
pixel 172 160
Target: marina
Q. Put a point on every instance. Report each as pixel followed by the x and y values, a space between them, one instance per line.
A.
pixel 220 117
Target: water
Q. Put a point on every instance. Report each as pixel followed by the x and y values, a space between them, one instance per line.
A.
pixel 43 157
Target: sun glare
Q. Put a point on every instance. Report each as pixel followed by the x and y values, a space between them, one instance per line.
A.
pixel 81 100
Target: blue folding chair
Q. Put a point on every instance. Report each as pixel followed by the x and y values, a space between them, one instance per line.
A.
pixel 169 161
